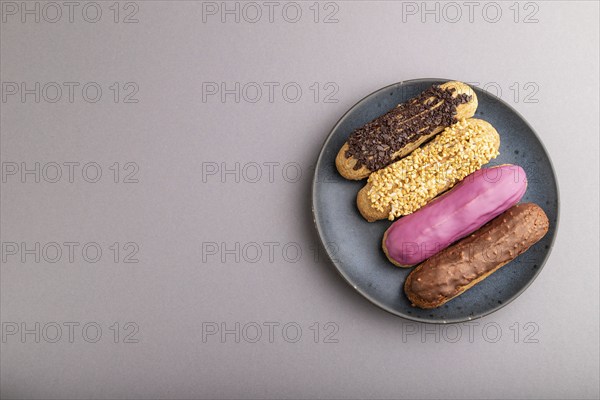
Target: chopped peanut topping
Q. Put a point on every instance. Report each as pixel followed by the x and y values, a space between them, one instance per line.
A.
pixel 412 182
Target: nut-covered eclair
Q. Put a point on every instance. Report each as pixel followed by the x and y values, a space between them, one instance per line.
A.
pixel 466 207
pixel 459 267
pixel 403 129
pixel 405 186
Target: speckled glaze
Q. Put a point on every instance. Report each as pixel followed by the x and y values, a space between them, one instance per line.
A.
pixel 476 200
pixel 354 245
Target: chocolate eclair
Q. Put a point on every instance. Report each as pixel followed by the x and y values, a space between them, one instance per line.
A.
pixel 401 130
pixel 459 267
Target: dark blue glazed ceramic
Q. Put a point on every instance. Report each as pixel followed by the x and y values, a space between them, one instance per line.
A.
pixel 354 245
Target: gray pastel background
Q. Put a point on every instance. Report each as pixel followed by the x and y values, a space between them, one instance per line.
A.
pixel 212 199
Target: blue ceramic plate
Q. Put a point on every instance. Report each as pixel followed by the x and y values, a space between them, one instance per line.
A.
pixel 354 245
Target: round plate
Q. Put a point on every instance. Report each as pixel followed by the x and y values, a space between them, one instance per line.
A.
pixel 354 245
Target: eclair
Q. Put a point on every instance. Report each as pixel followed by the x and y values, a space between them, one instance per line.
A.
pixel 405 186
pixel 469 205
pixel 459 267
pixel 403 129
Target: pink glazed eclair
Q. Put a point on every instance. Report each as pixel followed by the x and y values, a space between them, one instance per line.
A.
pixel 478 199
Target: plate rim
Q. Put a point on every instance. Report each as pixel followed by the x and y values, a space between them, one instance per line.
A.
pixel 375 301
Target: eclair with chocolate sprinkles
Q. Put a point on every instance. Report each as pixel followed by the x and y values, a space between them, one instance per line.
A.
pixel 403 129
pixel 459 267
pixel 407 185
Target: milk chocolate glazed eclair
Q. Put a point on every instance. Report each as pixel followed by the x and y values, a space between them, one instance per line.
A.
pixel 405 186
pixel 469 261
pixel 403 129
